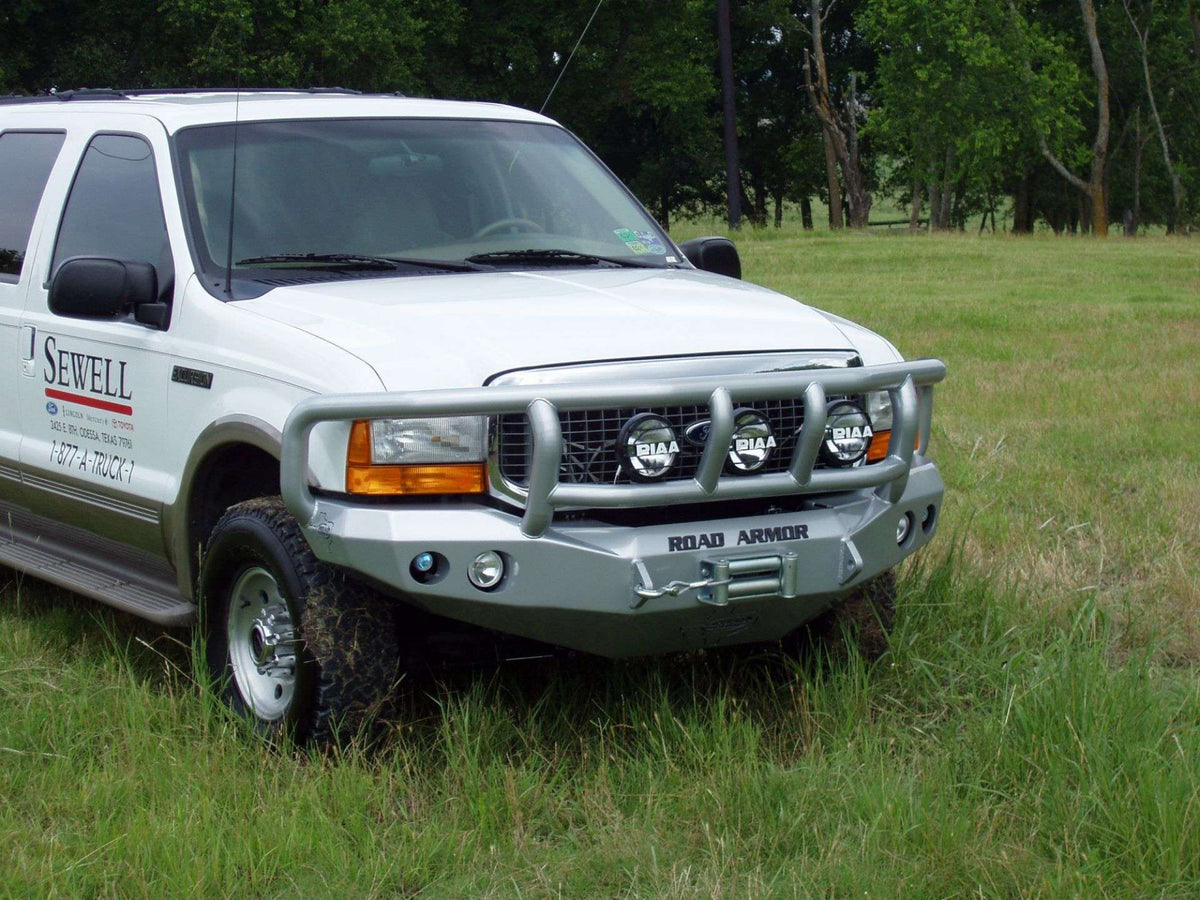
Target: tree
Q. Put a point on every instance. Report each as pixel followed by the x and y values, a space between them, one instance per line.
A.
pixel 839 120
pixel 947 102
pixel 1143 39
pixel 1094 187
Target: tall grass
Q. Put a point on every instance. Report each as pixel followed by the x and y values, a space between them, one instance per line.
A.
pixel 988 751
pixel 1021 738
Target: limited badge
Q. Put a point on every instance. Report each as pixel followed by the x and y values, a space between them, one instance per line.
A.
pixel 847 434
pixel 647 447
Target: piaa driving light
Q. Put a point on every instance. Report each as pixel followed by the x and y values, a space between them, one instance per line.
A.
pixel 443 455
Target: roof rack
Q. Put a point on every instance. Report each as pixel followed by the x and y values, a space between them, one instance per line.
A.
pixel 125 94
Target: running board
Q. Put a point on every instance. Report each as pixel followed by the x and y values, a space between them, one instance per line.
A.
pixel 130 580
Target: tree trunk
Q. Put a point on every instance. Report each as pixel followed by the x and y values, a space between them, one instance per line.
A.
pixel 806 213
pixel 834 186
pixel 944 218
pixel 779 209
pixel 1100 145
pixel 840 127
pixel 914 212
pixel 733 180
pixel 1135 216
pixel 1022 213
pixel 1195 18
pixel 935 204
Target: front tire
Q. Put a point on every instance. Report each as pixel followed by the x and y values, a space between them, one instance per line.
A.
pixel 294 644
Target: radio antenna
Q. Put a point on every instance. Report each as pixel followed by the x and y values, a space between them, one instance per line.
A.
pixel 570 56
pixel 237 108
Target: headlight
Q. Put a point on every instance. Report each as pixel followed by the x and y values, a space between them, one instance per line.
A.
pixel 423 441
pixel 879 408
pixel 444 455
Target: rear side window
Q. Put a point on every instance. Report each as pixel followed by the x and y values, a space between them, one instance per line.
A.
pixel 26 159
pixel 114 210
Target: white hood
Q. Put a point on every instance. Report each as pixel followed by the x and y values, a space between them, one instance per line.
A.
pixel 457 330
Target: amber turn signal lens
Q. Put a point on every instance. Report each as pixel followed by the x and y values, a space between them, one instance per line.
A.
pixel 470 478
pixel 362 477
pixel 879 446
pixel 359 451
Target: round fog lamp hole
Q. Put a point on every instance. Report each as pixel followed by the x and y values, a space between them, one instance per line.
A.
pixel 486 570
pixel 930 518
pixel 904 528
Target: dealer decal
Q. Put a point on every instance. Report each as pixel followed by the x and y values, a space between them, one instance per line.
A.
pixel 99 382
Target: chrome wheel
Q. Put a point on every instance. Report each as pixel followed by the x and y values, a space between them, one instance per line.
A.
pixel 263 644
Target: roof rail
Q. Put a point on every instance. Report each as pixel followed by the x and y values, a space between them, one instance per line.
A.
pixel 126 93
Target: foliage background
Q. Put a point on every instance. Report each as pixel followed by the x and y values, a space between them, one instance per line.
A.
pixel 953 95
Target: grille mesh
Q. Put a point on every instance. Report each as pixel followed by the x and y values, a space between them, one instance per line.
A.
pixel 590 437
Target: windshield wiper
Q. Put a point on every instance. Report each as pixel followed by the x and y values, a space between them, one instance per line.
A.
pixel 556 256
pixel 353 260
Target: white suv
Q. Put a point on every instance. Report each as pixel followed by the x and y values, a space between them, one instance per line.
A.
pixel 358 377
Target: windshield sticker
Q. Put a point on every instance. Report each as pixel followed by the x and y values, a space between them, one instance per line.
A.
pixel 632 240
pixel 653 244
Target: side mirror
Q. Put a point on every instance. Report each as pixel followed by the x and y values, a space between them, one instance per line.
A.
pixel 713 254
pixel 89 287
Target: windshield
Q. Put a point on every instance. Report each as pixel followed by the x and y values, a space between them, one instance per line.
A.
pixel 336 198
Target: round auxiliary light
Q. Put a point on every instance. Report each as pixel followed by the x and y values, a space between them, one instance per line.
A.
pixel 753 441
pixel 847 434
pixel 423 562
pixel 647 447
pixel 903 528
pixel 486 570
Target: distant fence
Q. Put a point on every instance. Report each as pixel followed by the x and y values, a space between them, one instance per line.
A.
pixel 893 223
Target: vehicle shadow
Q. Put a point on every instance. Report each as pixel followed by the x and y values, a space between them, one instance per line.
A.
pixel 538 701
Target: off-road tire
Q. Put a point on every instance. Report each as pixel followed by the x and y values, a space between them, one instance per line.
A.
pixel 348 665
pixel 866 615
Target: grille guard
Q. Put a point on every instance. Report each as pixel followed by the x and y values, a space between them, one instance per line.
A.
pixel 909 384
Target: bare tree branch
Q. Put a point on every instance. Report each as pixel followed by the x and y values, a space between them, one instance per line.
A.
pixel 1062 170
pixel 1143 36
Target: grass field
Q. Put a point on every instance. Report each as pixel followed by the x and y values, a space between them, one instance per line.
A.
pixel 1034 731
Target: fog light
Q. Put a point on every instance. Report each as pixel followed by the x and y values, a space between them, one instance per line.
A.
pixel 486 570
pixel 423 562
pixel 903 527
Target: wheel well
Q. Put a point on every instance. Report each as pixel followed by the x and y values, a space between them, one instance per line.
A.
pixel 229 474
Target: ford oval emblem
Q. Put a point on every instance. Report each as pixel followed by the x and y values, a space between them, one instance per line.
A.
pixel 52 407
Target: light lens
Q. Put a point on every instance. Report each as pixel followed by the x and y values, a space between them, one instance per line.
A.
pixel 903 527
pixel 848 434
pixel 423 562
pixel 486 570
pixel 879 408
pixel 451 439
pixel 647 446
pixel 470 478
pixel 459 445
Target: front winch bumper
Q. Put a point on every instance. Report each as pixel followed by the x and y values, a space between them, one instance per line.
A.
pixel 626 591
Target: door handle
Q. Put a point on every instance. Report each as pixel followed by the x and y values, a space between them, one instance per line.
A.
pixel 28 342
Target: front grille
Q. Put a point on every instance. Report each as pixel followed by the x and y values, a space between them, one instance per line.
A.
pixel 590 438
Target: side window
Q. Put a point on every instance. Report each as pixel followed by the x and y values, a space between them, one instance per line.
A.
pixel 26 159
pixel 114 210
